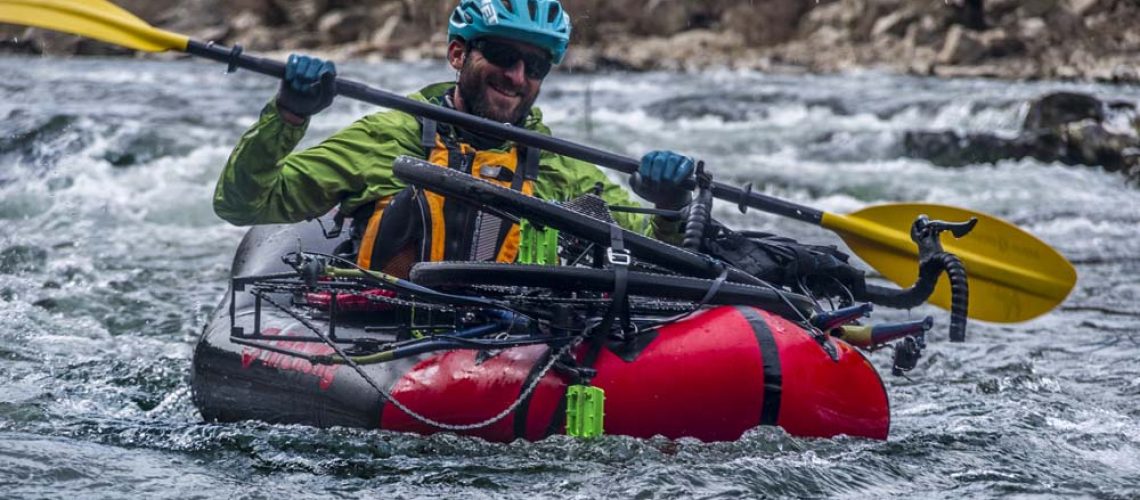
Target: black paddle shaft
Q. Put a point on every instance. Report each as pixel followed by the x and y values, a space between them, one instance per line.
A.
pixel 361 92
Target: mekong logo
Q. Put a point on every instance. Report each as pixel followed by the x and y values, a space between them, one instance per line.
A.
pixel 324 373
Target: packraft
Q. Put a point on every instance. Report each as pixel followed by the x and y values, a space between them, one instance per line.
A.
pixel 594 330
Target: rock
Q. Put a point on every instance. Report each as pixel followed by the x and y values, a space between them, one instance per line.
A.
pixel 828 36
pixel 256 38
pixel 185 15
pixel 968 47
pixel 999 43
pixel 1089 143
pixel 246 20
pixel 839 15
pixel 694 48
pixel 950 149
pixel 1124 73
pixel 666 18
pixel 1059 108
pixel 895 23
pixel 960 47
pixel 1064 127
pixel 1032 28
pixel 1038 8
pixel 1066 72
pixel 929 30
pixel 765 22
pixel 382 37
pixel 1083 7
pixel 301 13
pixel 1065 26
pixel 342 26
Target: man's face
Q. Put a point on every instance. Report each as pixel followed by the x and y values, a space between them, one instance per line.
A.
pixel 498 93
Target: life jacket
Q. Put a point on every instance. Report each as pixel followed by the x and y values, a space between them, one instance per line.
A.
pixel 418 225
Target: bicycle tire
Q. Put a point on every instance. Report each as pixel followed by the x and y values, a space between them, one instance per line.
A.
pixel 446 274
pixel 456 184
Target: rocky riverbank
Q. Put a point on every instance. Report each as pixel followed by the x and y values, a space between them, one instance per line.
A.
pixel 1023 39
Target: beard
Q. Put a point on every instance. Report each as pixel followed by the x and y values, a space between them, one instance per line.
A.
pixel 473 88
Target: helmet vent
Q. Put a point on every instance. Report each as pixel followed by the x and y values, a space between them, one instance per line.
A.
pixel 552 15
pixel 532 6
pixel 509 5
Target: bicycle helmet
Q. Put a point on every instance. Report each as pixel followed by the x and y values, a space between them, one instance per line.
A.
pixel 542 23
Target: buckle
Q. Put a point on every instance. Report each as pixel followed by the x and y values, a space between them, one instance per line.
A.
pixel 618 257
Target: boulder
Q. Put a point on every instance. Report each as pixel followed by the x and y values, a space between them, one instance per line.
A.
pixel 1056 109
pixel 765 22
pixel 1032 28
pixel 301 13
pixel 1038 8
pixel 1085 7
pixel 840 15
pixel 344 25
pixel 1065 127
pixel 688 49
pixel 951 149
pixel 969 47
pixel 664 17
pixel 895 23
pixel 961 47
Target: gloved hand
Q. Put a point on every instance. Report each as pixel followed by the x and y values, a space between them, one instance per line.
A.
pixel 308 87
pixel 661 179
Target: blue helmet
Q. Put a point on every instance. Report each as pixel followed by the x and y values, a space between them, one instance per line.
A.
pixel 541 23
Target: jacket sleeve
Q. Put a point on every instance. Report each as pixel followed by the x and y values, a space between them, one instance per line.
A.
pixel 262 183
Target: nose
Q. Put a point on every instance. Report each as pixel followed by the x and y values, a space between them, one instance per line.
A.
pixel 517 73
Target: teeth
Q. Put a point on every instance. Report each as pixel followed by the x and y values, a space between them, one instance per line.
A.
pixel 506 92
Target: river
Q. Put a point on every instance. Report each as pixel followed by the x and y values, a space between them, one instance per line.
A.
pixel 111 259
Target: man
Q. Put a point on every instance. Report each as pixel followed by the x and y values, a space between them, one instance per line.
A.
pixel 501 50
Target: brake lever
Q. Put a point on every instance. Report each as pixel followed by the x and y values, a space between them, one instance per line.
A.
pixel 925 232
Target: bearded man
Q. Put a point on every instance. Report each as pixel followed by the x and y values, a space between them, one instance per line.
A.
pixel 502 51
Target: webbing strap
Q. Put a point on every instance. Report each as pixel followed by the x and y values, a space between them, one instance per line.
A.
pixel 619 259
pixel 714 288
pixel 530 164
pixel 427 136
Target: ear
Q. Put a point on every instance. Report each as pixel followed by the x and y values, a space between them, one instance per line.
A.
pixel 456 54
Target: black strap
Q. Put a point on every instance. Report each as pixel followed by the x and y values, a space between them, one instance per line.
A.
pixel 531 157
pixel 714 288
pixel 619 259
pixel 524 156
pixel 427 136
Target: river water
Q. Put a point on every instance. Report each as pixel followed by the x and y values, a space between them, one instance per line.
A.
pixel 111 259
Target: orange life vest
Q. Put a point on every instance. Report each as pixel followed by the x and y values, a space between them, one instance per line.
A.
pixel 418 225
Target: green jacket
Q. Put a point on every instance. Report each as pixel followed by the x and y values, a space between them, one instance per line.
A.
pixel 265 183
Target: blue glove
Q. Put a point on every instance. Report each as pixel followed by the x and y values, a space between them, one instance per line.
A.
pixel 308 87
pixel 661 179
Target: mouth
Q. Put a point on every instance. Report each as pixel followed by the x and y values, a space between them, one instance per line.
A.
pixel 505 91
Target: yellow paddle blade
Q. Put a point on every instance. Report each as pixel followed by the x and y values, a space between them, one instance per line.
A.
pixel 95 19
pixel 1013 275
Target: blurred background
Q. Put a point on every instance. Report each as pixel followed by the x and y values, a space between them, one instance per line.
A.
pixel 1083 39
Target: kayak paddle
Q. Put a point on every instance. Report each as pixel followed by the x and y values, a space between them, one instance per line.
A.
pixel 1013 276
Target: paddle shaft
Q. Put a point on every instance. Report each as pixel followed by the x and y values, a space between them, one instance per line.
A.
pixel 371 95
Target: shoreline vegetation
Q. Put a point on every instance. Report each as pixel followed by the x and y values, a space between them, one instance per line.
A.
pixel 1087 40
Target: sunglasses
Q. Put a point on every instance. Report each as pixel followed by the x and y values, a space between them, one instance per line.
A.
pixel 535 66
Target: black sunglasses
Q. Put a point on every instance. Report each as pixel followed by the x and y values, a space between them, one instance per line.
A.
pixel 535 66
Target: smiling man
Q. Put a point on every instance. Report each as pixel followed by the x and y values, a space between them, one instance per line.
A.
pixel 502 50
